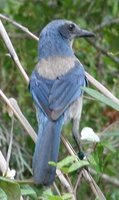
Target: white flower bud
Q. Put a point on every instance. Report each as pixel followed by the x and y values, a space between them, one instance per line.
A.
pixel 88 134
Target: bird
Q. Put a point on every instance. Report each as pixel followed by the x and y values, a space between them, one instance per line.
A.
pixel 56 88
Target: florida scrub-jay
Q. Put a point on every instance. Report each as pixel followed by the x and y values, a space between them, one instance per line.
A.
pixel 55 85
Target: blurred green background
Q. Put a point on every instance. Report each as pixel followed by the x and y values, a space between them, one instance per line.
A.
pixel 99 16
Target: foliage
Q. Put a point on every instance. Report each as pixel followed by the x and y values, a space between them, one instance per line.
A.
pixel 10 188
pixel 70 164
pixel 100 60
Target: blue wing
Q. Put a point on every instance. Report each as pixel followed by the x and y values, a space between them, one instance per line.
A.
pixel 55 96
pixel 40 90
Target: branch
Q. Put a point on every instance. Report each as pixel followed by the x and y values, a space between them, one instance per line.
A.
pixel 107 178
pixel 101 88
pixel 11 49
pixel 99 48
pixel 10 142
pixel 23 28
pixel 106 24
pixel 110 179
pixel 12 103
pixel 3 164
pixel 78 182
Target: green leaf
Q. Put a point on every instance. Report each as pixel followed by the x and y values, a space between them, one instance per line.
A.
pixel 3 195
pixel 52 163
pixel 77 165
pixel 11 188
pixel 46 193
pixel 115 7
pixel 67 196
pixel 64 170
pixel 66 161
pixel 69 160
pixel 94 161
pixel 97 95
pixel 54 197
pixel 100 149
pixel 97 198
pixel 109 146
pixel 28 190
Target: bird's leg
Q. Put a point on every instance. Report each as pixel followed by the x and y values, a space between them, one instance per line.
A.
pixel 76 136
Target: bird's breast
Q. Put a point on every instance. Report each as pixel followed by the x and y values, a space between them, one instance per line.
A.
pixel 54 67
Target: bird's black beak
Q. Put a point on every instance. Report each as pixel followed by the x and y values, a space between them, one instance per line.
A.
pixel 84 33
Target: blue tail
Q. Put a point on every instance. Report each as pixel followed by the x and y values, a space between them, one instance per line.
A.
pixel 47 149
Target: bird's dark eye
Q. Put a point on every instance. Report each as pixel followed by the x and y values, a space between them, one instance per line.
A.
pixel 71 27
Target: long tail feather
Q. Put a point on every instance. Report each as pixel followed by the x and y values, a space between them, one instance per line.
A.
pixel 47 149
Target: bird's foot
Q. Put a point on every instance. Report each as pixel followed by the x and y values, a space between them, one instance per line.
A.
pixel 81 155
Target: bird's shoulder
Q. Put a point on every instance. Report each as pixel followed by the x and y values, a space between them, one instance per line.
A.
pixel 54 67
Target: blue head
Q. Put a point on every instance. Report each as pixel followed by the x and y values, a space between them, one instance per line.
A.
pixel 57 37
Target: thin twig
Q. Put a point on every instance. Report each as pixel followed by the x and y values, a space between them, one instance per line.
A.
pixel 57 189
pixel 110 179
pixel 23 28
pixel 109 127
pixel 12 51
pixel 10 143
pixel 95 188
pixel 14 107
pixel 3 164
pixel 102 50
pixel 106 178
pixel 101 88
pixel 78 182
pixel 106 24
pixel 67 185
